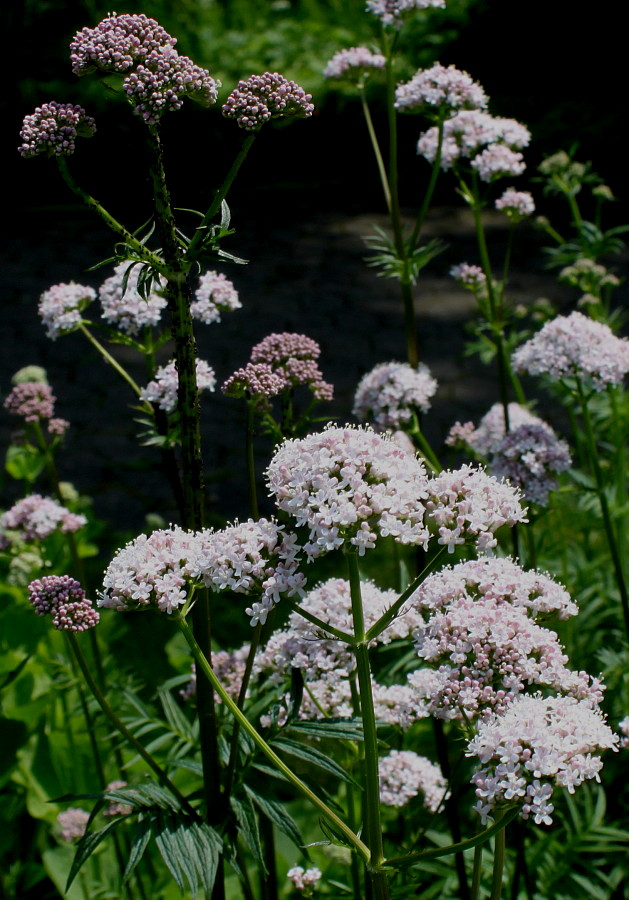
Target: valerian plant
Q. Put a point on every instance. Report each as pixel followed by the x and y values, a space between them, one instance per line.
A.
pixel 390 735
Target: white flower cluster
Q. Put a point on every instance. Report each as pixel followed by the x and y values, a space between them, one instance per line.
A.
pixel 469 504
pixel 404 774
pixel 304 879
pixel 61 305
pixel 123 306
pixel 391 12
pixel 350 485
pixel 516 204
pixel 354 62
pixel 34 518
pixel 575 346
pixel 539 742
pixel 470 131
pixel 214 295
pixel 440 90
pixel 388 394
pixel 162 390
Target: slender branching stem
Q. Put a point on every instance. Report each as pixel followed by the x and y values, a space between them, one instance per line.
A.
pixel 382 172
pixel 242 694
pixel 499 862
pixel 110 359
pixel 251 469
pixel 434 175
pixel 476 872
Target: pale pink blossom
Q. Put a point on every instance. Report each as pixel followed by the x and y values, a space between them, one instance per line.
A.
pixel 440 91
pixel 64 599
pixel 214 295
pixel 404 774
pixel 123 306
pixel 34 518
pixel 162 390
pixel 389 394
pixel 391 12
pixel 60 307
pixel 53 129
pixel 355 63
pixel 260 98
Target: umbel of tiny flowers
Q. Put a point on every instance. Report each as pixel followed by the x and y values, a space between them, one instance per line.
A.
pixel 575 346
pixel 214 295
pixel 537 744
pixel 64 599
pixel 260 98
pixel 293 358
pixel 439 92
pixel 349 486
pixel 389 395
pixel 124 307
pixel 162 390
pixel 53 129
pixel 405 774
pixel 36 518
pixel 470 133
pixel 391 12
pixel 33 401
pixel 61 306
pixel 304 880
pixel 516 205
pixel 72 823
pixel 354 64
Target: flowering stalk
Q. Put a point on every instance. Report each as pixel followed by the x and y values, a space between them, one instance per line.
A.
pixel 110 359
pixel 382 172
pixel 351 838
pixel 251 470
pixel 605 510
pixel 499 861
pixel 371 803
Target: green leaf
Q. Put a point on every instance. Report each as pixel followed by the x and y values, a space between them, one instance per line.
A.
pixel 248 826
pixel 141 839
pixel 276 812
pixel 348 729
pixel 313 756
pixel 87 845
pixel 24 463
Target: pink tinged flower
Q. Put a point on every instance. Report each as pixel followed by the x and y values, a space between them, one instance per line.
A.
pixel 440 90
pixel 388 396
pixel 255 380
pixel 72 823
pixel 259 559
pixel 117 807
pixel 354 63
pixel 549 742
pixel 58 427
pixel 498 161
pixel 60 307
pixel 470 131
pixel 292 359
pixel 304 879
pixel 162 391
pixel 623 727
pixel 575 346
pixel 467 504
pixel 64 599
pixel 214 295
pixel 491 430
pixel 163 80
pixel 350 485
pixel 53 129
pixel 36 518
pixel 516 204
pixel 123 306
pixel 117 43
pixel 404 774
pixel 260 98
pixel 530 457
pixel 469 276
pixel 391 12
pixel 152 571
pixel 31 400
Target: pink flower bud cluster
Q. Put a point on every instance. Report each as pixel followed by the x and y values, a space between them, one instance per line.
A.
pixel 355 63
pixel 293 357
pixel 72 823
pixel 32 400
pixel 468 132
pixel 64 599
pixel 404 774
pixel 35 518
pixel 214 295
pixel 440 91
pixel 350 485
pixel 229 666
pixel 61 305
pixel 260 98
pixel 304 879
pixel 53 129
pixel 538 744
pixel 117 807
pixel 467 504
pixel 516 204
pixel 575 346
pixel 256 380
pixel 623 726
pixel 161 83
pixel 117 43
pixel 123 306
pixel 388 396
pixel 391 12
pixel 468 276
pixel 162 390
pixel 259 559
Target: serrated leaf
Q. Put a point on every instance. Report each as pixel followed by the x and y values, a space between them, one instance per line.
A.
pixel 87 845
pixel 276 812
pixel 313 756
pixel 164 845
pixel 348 729
pixel 141 839
pixel 248 826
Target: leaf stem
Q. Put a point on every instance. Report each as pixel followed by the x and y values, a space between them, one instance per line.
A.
pixel 110 359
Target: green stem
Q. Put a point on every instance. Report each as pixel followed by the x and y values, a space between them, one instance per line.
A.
pixel 499 862
pixel 451 804
pixel 371 787
pixel 602 496
pixel 242 694
pixel 122 728
pixel 110 359
pixel 220 195
pixel 251 469
pixel 323 625
pixel 143 252
pixel 434 175
pixel 476 872
pixel 382 172
pixel 268 751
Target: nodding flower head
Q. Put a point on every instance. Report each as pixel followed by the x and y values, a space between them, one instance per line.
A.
pixel 260 98
pixel 53 129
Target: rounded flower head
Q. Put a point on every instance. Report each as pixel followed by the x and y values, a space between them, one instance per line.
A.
pixel 304 879
pixel 471 277
pixel 160 84
pixel 391 12
pixel 498 161
pixel 440 91
pixel 404 774
pixel 354 63
pixel 470 131
pixel 214 295
pixel 530 457
pixel 64 599
pixel 72 823
pixel 151 571
pixel 293 358
pixel 255 380
pixel 53 129
pixel 60 307
pixel 537 744
pixel 117 43
pixel 162 390
pixel 123 306
pixel 469 504
pixel 260 98
pixel 389 394
pixel 516 205
pixel 350 485
pixel 36 518
pixel 31 400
